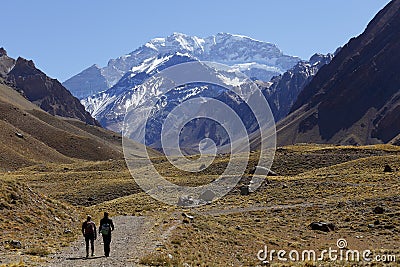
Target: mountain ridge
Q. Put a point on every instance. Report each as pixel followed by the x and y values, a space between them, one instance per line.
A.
pixel 31 136
pixel 223 48
pixel 282 91
pixel 355 99
pixel 37 87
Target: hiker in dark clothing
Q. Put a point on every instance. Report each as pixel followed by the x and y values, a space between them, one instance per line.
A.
pixel 90 233
pixel 106 227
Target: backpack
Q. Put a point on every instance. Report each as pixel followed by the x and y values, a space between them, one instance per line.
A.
pixel 89 229
pixel 105 229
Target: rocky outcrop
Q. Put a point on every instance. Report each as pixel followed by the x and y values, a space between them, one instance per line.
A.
pixel 45 92
pixel 282 91
pixel 6 63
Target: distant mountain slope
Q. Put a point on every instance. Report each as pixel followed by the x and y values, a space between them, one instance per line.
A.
pixel 282 91
pixel 255 58
pixel 110 107
pixel 88 82
pixel 30 136
pixel 258 60
pixel 356 98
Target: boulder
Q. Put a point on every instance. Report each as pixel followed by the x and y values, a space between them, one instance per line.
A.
pixel 244 190
pixel 207 195
pixel 188 201
pixel 378 210
pixel 387 168
pixel 322 226
pixel 15 244
pixel 185 201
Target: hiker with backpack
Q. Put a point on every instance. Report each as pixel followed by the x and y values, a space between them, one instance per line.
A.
pixel 106 227
pixel 90 234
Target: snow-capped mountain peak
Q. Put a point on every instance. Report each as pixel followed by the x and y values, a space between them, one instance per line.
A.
pixel 177 42
pixel 231 49
pixel 125 75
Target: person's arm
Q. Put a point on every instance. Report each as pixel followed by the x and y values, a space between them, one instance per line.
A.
pixel 100 227
pixel 95 231
pixel 112 225
pixel 83 229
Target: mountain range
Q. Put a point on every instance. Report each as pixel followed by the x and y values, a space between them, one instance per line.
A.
pixel 282 91
pixel 41 122
pixel 31 136
pixel 355 99
pixel 257 59
pixel 349 97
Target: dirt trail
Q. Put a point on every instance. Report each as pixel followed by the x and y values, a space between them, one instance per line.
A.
pixel 233 210
pixel 132 239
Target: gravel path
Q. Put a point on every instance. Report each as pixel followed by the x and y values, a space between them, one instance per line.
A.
pixel 131 240
pixel 233 210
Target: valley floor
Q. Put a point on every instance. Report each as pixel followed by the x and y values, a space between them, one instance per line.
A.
pixel 346 186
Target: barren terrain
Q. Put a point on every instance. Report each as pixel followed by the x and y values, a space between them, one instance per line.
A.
pixel 340 185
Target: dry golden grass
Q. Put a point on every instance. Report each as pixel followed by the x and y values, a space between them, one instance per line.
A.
pixel 315 147
pixel 42 225
pixel 316 183
pixel 231 231
pixel 19 264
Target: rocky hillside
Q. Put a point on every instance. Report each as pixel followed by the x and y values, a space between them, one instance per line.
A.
pixel 282 91
pixel 30 136
pixel 47 93
pixel 356 98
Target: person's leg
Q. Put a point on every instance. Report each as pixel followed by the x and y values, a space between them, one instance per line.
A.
pixel 87 246
pixel 107 246
pixel 92 245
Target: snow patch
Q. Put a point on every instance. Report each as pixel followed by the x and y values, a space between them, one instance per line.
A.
pixel 235 81
pixel 255 65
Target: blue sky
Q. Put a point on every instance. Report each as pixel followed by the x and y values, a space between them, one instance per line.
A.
pixel 65 37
